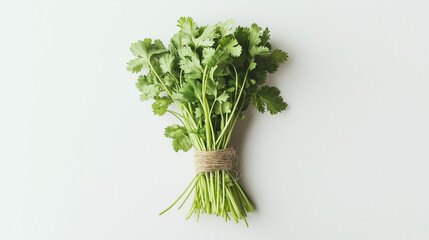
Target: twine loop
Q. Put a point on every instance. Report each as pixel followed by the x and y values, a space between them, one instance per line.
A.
pixel 209 161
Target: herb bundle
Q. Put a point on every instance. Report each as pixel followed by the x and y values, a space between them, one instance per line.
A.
pixel 207 77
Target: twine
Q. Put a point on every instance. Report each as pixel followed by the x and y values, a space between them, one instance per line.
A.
pixel 209 161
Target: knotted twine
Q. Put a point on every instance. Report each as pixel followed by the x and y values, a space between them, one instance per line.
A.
pixel 209 161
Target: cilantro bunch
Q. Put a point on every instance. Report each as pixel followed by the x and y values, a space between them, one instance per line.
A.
pixel 207 77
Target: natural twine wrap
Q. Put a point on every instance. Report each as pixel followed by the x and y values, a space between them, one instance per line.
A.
pixel 209 161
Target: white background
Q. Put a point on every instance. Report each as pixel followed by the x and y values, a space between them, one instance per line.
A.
pixel 82 158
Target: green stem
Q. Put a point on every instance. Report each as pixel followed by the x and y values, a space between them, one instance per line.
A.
pixel 178 197
pixel 233 110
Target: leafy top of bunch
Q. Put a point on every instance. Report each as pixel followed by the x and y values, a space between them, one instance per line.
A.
pixel 211 73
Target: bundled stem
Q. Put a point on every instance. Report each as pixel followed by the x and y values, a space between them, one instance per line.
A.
pixel 217 193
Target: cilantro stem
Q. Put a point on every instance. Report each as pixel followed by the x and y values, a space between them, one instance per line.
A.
pixel 233 110
pixel 236 83
pixel 178 198
pixel 232 126
pixel 180 78
pixel 177 115
pixel 203 101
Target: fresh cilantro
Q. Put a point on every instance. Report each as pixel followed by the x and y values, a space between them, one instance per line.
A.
pixel 212 74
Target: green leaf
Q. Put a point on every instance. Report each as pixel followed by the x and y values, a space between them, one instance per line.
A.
pixel 206 39
pixel 170 80
pixel 252 65
pixel 223 97
pixel 258 103
pixel 192 69
pixel 148 87
pixel 279 56
pixel 190 31
pixel 183 143
pixel 270 98
pixel 140 48
pixel 254 37
pixel 207 55
pixel 143 80
pixel 188 25
pixel 137 64
pixel 242 35
pixel 271 62
pixel 148 92
pixel 231 89
pixel 190 63
pixel 190 92
pixel 166 62
pixel 258 50
pixel 143 50
pixel 180 137
pixel 175 44
pixel 160 105
pixel 255 27
pixel 231 46
pixel 212 57
pixel 265 38
pixel 225 28
pixel 221 108
pixel 174 131
pixel 199 112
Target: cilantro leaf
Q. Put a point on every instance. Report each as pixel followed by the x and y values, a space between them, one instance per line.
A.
pixel 180 137
pixel 161 104
pixel 270 98
pixel 143 50
pixel 255 27
pixel 223 97
pixel 190 92
pixel 148 92
pixel 258 50
pixel 231 46
pixel 254 37
pixel 182 143
pixel 225 28
pixel 206 39
pixel 190 63
pixel 137 64
pixel 242 36
pixel 147 87
pixel 199 112
pixel 167 63
pixel 140 48
pixel 221 108
pixel 188 25
pixel 270 62
pixel 265 38
pixel 192 69
pixel 174 131
pixel 212 57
